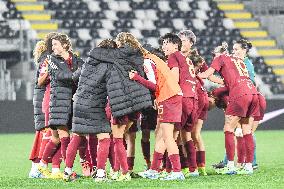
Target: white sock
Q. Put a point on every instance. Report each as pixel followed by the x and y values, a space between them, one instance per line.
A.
pixel 68 170
pixel 44 165
pixel 231 164
pixel 100 173
pixel 55 170
pixel 34 165
pixel 248 166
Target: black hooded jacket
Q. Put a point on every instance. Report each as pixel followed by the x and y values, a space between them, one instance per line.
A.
pixel 62 88
pixel 106 74
pixel 38 97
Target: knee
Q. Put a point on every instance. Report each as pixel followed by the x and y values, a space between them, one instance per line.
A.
pixel 196 137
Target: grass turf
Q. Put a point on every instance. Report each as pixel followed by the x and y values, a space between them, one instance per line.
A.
pixel 15 166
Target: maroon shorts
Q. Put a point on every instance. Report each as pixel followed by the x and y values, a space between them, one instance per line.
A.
pixel 244 106
pixel 189 114
pixel 203 105
pixel 149 119
pixel 262 107
pixel 123 119
pixel 170 110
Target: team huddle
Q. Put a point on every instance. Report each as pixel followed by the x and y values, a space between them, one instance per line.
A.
pixel 123 85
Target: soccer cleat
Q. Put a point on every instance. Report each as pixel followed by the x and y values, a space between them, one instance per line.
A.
pixel 192 174
pixel 86 170
pixel 255 166
pixel 219 165
pixel 34 173
pixel 101 179
pixel 174 176
pixel 115 175
pixel 202 171
pixel 163 174
pixel 100 176
pixel 57 175
pixel 150 174
pixel 244 172
pixel 226 171
pixel 124 177
pixel 134 175
pixel 44 171
pixel 94 172
pixel 70 177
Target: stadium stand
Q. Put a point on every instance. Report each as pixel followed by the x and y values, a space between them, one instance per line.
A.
pixel 89 21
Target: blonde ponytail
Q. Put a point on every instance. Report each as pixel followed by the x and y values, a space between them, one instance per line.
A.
pixel 40 47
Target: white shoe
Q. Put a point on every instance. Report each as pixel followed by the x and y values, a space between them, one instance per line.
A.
pixel 150 174
pixel 34 173
pixel 174 176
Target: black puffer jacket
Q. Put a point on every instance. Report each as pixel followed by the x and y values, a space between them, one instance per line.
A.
pixel 106 74
pixel 62 89
pixel 38 97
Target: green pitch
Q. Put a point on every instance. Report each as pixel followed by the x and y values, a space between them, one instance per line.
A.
pixel 15 166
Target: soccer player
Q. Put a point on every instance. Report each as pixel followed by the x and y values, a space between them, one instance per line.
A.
pixel 149 116
pixel 168 97
pixel 188 39
pixel 236 78
pixel 105 74
pixel 42 49
pixel 59 69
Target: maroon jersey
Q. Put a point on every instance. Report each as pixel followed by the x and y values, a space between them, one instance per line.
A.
pixel 187 77
pixel 200 87
pixel 235 75
pixel 203 67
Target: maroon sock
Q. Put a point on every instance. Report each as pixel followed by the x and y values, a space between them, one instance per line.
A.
pixel 49 151
pixel 120 154
pixel 130 162
pixel 146 151
pixel 200 158
pixel 157 160
pixel 111 156
pixel 175 161
pixel 164 160
pixel 102 153
pixel 168 164
pixel 191 155
pixel 241 149
pixel 124 144
pixel 249 148
pixel 116 163
pixel 230 145
pixel 36 160
pixel 83 147
pixel 92 146
pixel 183 159
pixel 64 144
pixel 57 158
pixel 72 150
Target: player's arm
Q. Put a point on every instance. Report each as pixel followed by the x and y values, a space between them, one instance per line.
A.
pixel 146 83
pixel 43 76
pixel 175 72
pixel 209 72
pixel 216 79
